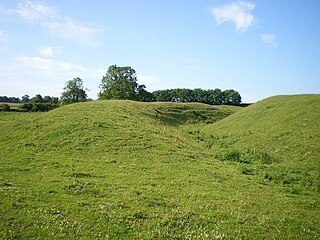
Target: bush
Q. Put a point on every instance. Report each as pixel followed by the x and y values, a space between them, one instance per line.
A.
pixel 26 107
pixel 233 155
pixel 4 108
pixel 38 107
pixel 230 155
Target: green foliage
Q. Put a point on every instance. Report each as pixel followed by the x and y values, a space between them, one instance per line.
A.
pixel 143 95
pixel 53 100
pixel 231 97
pixel 4 107
pixel 133 170
pixel 121 83
pixel 73 92
pixel 9 99
pixel 231 155
pixel 25 98
pixel 38 107
pixel 37 99
pixel 213 97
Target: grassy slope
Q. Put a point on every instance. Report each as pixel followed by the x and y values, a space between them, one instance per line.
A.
pixel 284 130
pixel 285 126
pixel 122 169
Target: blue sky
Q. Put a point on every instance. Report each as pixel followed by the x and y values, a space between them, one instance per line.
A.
pixel 259 48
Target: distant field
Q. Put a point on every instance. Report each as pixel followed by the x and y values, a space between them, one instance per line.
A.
pixel 131 170
pixel 11 104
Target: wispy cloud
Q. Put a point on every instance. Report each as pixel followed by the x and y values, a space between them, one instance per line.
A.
pixel 53 23
pixel 70 29
pixel 47 75
pixel 50 69
pixel 270 39
pixel 30 10
pixel 237 12
pixel 46 52
pixel 49 51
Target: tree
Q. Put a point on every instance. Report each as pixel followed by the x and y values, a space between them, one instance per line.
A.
pixel 55 100
pixel 199 95
pixel 9 99
pixel 119 83
pixel 215 97
pixel 231 96
pixel 25 98
pixel 163 95
pixel 211 96
pixel 73 92
pixel 143 95
pixel 47 99
pixel 37 99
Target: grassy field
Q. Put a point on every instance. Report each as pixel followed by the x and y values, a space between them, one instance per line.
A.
pixel 130 170
pixel 13 106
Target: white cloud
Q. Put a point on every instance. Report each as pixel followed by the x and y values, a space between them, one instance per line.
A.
pixel 49 51
pixel 236 12
pixel 45 76
pixel 270 39
pixel 50 69
pixel 54 23
pixel 30 11
pixel 46 52
pixel 70 29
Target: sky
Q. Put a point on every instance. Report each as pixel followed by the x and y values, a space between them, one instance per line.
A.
pixel 259 48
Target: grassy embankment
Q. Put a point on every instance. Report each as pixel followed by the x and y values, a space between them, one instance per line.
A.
pixel 128 170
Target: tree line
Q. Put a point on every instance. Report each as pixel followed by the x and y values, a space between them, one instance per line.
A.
pixel 212 97
pixel 27 104
pixel 26 98
pixel 122 83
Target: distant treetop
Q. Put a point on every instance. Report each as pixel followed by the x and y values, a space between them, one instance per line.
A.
pixel 213 97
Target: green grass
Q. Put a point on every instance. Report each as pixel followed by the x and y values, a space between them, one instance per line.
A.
pixel 129 170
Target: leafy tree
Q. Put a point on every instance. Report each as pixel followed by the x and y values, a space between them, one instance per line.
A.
pixel 54 100
pixel 143 95
pixel 37 99
pixel 163 95
pixel 25 98
pixel 183 95
pixel 215 96
pixel 119 83
pixel 4 99
pixel 73 92
pixel 231 97
pixel 9 99
pixel 199 95
pixel 47 99
pixel 210 96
